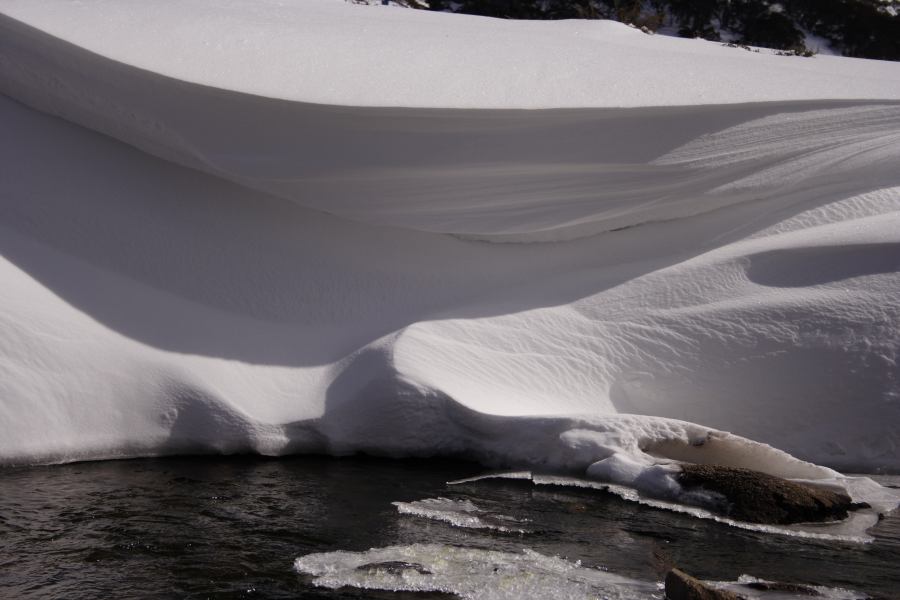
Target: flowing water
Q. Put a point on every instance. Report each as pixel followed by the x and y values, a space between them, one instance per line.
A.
pixel 233 527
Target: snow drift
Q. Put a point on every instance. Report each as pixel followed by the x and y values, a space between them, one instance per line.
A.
pixel 287 241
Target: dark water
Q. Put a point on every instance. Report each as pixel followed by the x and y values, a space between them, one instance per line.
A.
pixel 231 528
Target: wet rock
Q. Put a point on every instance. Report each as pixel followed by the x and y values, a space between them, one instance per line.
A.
pixel 788 588
pixel 681 586
pixel 395 567
pixel 756 497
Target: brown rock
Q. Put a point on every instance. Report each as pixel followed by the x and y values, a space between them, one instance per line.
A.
pixel 394 567
pixel 756 497
pixel 681 586
pixel 778 586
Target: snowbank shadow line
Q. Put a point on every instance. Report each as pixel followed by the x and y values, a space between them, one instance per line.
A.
pixel 801 267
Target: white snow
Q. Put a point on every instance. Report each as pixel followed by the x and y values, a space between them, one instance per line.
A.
pixel 333 52
pixel 286 242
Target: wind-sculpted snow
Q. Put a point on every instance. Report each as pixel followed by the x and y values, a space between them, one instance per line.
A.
pixel 500 175
pixel 331 52
pixel 226 272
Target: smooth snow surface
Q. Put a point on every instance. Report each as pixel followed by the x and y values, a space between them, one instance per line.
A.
pixel 233 267
pixel 332 52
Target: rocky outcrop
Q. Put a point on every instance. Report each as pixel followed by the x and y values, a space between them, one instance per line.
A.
pixel 779 586
pixel 756 497
pixel 681 586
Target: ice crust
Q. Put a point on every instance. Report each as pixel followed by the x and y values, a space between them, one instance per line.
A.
pixel 460 513
pixel 741 586
pixel 232 267
pixel 493 575
pixel 470 573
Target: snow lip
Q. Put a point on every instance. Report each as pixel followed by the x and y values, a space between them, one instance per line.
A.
pixel 32 38
pixel 487 175
pixel 350 57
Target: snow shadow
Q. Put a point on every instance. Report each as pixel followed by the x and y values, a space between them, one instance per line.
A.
pixel 800 267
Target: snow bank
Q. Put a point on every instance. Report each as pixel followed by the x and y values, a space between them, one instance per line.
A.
pixel 190 293
pixel 501 175
pixel 332 52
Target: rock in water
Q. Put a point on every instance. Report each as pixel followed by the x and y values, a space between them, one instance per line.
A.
pixel 778 586
pixel 681 586
pixel 756 497
pixel 394 567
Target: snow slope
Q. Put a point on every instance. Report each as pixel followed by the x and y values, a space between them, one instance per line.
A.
pixel 331 52
pixel 236 266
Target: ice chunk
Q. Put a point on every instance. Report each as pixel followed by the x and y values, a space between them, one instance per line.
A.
pixel 460 513
pixel 470 573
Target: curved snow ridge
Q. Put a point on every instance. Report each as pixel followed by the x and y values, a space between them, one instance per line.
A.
pixel 496 175
pixel 332 52
pixel 637 452
pixel 787 149
pixel 695 340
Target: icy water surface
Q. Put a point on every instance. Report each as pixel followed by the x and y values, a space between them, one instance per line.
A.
pixel 233 527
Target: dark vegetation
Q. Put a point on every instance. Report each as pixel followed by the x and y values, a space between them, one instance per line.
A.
pixel 859 28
